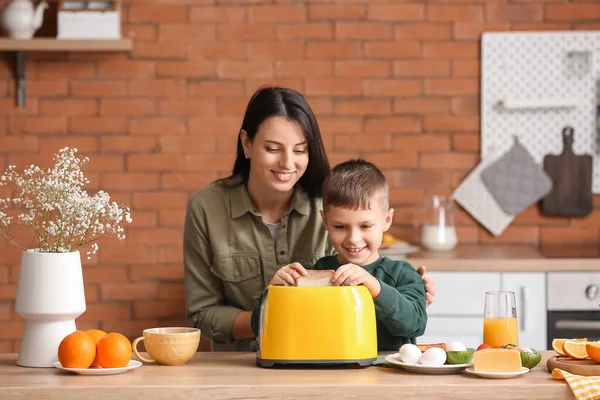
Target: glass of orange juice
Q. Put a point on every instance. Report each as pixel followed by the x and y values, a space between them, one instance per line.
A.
pixel 500 325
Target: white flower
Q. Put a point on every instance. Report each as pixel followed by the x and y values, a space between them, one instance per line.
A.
pixel 54 206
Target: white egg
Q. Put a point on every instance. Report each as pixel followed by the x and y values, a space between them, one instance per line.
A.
pixel 433 357
pixel 455 346
pixel 409 353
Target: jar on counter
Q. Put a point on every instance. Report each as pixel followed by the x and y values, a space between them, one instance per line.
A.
pixel 439 233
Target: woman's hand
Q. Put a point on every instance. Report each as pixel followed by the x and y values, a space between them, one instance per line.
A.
pixel 429 285
pixel 353 275
pixel 287 274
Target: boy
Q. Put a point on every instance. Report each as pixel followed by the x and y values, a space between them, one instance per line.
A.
pixel 356 213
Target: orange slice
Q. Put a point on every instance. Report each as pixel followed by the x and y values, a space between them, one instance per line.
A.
pixel 575 349
pixel 593 350
pixel 557 345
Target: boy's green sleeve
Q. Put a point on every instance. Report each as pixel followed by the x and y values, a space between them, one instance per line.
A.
pixel 401 309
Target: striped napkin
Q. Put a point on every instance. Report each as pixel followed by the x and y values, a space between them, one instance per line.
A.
pixel 584 387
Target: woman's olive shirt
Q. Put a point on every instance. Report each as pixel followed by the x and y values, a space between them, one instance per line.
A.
pixel 229 254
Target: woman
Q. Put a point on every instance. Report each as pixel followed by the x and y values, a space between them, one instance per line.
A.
pixel 240 230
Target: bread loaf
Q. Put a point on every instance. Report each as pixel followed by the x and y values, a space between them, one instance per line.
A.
pixel 316 278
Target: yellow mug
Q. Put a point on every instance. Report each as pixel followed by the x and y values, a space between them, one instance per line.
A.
pixel 168 346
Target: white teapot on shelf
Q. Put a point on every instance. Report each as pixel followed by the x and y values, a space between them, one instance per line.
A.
pixel 21 19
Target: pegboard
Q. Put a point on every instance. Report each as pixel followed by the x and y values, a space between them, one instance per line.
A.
pixel 535 83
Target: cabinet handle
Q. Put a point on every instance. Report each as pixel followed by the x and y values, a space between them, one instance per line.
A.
pixel 523 307
pixel 574 324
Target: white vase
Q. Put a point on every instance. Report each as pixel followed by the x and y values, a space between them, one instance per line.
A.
pixel 50 295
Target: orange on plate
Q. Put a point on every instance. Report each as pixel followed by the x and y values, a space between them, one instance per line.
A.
pixel 593 350
pixel 575 349
pixel 95 334
pixel 113 351
pixel 77 350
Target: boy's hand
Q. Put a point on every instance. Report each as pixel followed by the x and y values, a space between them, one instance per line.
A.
pixel 353 275
pixel 287 274
pixel 429 285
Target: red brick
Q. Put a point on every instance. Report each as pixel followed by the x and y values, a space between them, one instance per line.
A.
pixel 455 13
pixel 406 196
pixel 245 32
pixel 424 142
pixel 362 107
pixel 97 125
pixel 422 68
pixel 143 219
pixel 396 12
pixel 289 69
pixel 156 273
pixel 198 106
pixel 325 50
pixel 392 87
pixel 108 311
pixel 233 107
pixel 452 86
pixel 128 291
pixel 305 31
pixel 158 309
pixel 423 31
pixel 131 181
pixel 282 50
pixel 159 200
pixel 245 69
pixel 174 218
pixel 448 160
pixel 39 88
pixel 215 88
pixel 188 144
pixel 333 86
pixel 466 68
pixel 140 32
pixel 533 216
pixel 217 51
pixel 473 30
pixel 331 125
pixel 184 181
pixel 67 70
pixel 6 346
pixel 451 50
pixel 158 50
pixel 121 253
pixel 566 235
pixel 394 160
pixel 215 125
pixel 163 88
pixel 422 105
pixel 373 142
pixel 158 13
pixel 131 329
pixel 217 14
pixel 362 31
pixel 37 125
pixel 321 105
pixel 186 69
pixel 202 162
pixel 172 290
pixel 106 163
pixel 12 330
pixel 84 144
pixel 102 88
pixel 252 85
pixel 514 12
pixel 277 13
pixel 465 105
pixel 157 126
pixel 395 124
pixel 8 292
pixel 366 68
pixel 126 69
pixel 153 162
pixel 336 12
pixel 466 142
pixel 104 274
pixel 158 236
pixel 130 107
pixel 5 312
pixel 57 107
pixel 572 13
pixel 392 49
pixel 9 107
pixel 455 123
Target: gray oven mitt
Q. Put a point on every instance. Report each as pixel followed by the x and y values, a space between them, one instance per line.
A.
pixel 515 180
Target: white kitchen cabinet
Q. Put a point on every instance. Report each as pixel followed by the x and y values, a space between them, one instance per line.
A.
pixel 457 312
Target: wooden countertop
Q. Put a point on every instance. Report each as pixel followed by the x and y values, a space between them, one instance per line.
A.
pixel 506 258
pixel 236 376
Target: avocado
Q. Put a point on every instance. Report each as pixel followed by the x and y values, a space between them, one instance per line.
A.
pixel 460 357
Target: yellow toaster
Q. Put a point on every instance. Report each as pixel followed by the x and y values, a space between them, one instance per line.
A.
pixel 316 325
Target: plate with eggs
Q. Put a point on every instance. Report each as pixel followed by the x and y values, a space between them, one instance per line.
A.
pixel 438 358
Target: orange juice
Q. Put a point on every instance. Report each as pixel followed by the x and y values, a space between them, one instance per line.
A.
pixel 500 331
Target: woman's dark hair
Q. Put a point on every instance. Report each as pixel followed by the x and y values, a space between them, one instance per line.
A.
pixel 270 102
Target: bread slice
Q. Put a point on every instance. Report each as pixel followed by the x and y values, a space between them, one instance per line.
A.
pixel 316 278
pixel 424 347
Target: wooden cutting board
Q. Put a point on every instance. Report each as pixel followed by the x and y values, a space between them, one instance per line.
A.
pixel 579 367
pixel 571 194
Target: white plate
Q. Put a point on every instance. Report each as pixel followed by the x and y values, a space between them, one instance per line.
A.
pixel 399 249
pixel 427 369
pixel 100 371
pixel 498 375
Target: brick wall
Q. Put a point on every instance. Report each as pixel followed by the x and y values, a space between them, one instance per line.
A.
pixel 395 82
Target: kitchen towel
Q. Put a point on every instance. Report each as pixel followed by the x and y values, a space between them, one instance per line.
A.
pixel 515 180
pixel 583 387
pixel 382 362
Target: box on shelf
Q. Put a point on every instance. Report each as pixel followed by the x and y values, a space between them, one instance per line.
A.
pixel 99 19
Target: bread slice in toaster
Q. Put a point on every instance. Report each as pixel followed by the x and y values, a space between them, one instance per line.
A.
pixel 316 278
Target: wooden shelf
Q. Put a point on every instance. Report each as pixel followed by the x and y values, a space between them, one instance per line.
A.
pixel 53 44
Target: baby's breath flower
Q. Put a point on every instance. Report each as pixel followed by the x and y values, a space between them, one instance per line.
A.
pixel 54 206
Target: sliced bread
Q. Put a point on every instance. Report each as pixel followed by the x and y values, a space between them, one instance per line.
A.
pixel 316 278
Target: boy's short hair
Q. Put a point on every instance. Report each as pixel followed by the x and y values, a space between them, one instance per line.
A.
pixel 354 184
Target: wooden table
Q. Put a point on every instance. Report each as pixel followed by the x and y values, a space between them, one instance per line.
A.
pixel 236 376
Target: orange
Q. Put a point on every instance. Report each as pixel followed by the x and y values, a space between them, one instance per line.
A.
pixel 77 350
pixel 575 349
pixel 95 334
pixel 593 350
pixel 557 344
pixel 113 351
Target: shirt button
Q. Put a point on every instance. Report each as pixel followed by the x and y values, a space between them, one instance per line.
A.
pixel 282 252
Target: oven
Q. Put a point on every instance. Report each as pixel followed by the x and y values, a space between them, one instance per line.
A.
pixel 573 305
